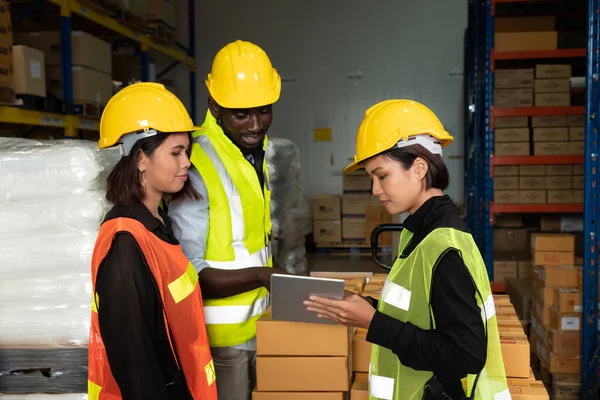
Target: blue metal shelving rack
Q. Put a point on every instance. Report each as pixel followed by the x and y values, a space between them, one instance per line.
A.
pixel 479 141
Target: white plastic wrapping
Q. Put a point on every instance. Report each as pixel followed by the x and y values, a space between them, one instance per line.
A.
pixel 290 215
pixel 41 396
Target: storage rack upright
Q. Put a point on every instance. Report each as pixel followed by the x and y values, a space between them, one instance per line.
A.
pixel 71 122
pixel 480 161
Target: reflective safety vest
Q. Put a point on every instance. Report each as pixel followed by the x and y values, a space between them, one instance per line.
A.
pixel 177 283
pixel 406 297
pixel 238 230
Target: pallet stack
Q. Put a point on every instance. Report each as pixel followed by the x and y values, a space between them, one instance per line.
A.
pixel 161 20
pixel 6 61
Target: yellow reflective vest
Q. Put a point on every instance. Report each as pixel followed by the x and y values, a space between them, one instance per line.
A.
pixel 238 233
pixel 405 297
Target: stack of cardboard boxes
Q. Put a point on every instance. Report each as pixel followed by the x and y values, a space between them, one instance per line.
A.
pixel 511 250
pixel 556 319
pixel 6 60
pixel 525 33
pixel 327 222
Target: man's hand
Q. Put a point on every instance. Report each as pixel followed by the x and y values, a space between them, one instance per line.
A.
pixel 352 311
pixel 265 273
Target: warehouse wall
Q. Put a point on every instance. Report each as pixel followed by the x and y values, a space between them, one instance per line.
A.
pixel 337 58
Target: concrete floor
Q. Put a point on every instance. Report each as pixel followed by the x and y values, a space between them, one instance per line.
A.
pixel 346 262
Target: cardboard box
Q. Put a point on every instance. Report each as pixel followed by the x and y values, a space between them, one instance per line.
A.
pixel 513 78
pixel 557 276
pixel 532 196
pixel 326 206
pixel 384 239
pixel 511 135
pixel 524 41
pixel 504 270
pixel 360 390
pixel 577 196
pixel 577 134
pixel 525 269
pixel 547 121
pixel 6 52
pixel 6 75
pixel 515 353
pixel 553 99
pixel 565 342
pixel 355 203
pixel 559 182
pixel 532 170
pixel 510 98
pixel 302 374
pixel 508 321
pixel 327 231
pixel 558 85
pixel 297 395
pixel 565 363
pixel 575 120
pixel 506 183
pixel 28 69
pixel 578 182
pixel 551 134
pixel 361 353
pixel 565 322
pixel 353 228
pixel 532 183
pixel 550 148
pixel 566 386
pixel 89 86
pixel 301 339
pixel 560 197
pixel 4 11
pixel 558 258
pixel 511 122
pixel 553 71
pixel 531 391
pixel 524 24
pixel 577 148
pixel 512 149
pixel 161 10
pixel 356 182
pixel 507 196
pixel 511 240
pixel 506 170
pixel 559 170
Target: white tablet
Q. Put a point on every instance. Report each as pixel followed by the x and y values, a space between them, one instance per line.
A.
pixel 289 292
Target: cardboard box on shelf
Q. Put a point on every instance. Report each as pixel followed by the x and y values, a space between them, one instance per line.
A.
pixel 4 11
pixel 560 197
pixel 524 24
pixel 578 182
pixel 327 231
pixel 568 300
pixel 509 221
pixel 577 148
pixel 361 353
pixel 529 391
pixel 553 258
pixel 511 135
pixel 552 99
pixel 161 10
pixel 509 98
pixel 507 196
pixel 525 269
pixel 553 71
pixel 576 120
pixel 504 270
pixel 532 170
pixel 356 182
pixel 360 390
pixel 385 238
pixel 28 70
pixel 532 182
pixel 559 182
pixel 557 85
pixel 565 342
pixel 515 353
pixel 513 78
pixel 565 322
pixel 577 196
pixel 549 121
pixel 565 363
pixel 566 386
pixel 577 134
pixel 89 86
pixel 551 276
pixel 353 228
pixel 506 170
pixel 512 149
pixel 532 196
pixel 559 170
pixel 525 41
pixel 551 134
pixel 506 183
pixel 511 122
pixel 511 240
pixel 326 206
pixel 6 75
pixel 550 148
pixel 355 203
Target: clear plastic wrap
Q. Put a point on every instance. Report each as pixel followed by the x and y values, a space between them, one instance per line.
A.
pixel 290 215
pixel 42 396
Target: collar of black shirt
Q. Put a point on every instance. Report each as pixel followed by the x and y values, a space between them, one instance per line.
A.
pixel 430 214
pixel 140 213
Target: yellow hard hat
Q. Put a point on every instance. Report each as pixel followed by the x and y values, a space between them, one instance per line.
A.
pixel 142 107
pixel 392 121
pixel 242 77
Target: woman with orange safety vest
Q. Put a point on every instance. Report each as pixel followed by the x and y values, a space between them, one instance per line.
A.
pixel 434 329
pixel 148 336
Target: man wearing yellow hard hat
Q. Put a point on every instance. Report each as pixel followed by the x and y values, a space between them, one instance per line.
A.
pixel 226 235
pixel 434 330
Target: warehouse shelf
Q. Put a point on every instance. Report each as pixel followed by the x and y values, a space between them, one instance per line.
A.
pixel 538 54
pixel 537 111
pixel 536 160
pixel 479 147
pixel 16 115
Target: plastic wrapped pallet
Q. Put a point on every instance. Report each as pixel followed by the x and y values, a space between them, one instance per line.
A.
pixel 290 215
pixel 42 396
pixel 51 206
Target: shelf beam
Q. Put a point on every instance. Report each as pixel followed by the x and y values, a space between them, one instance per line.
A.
pixel 535 208
pixel 538 54
pixel 537 111
pixel 16 115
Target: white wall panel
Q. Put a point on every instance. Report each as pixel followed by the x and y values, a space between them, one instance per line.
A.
pixel 337 58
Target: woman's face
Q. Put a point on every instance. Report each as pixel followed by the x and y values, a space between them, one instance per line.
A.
pixel 398 189
pixel 167 169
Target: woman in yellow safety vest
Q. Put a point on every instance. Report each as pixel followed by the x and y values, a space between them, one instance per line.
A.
pixel 434 330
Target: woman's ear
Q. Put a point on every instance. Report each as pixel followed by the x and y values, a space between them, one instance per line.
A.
pixel 420 168
pixel 142 161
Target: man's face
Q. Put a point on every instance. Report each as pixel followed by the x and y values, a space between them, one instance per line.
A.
pixel 246 127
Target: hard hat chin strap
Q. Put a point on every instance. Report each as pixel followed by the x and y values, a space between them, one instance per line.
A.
pixel 429 142
pixel 127 141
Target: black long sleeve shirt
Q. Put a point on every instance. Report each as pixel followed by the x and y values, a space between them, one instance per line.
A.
pixel 457 346
pixel 130 315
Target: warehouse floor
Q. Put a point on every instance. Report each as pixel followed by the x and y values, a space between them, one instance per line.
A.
pixel 345 263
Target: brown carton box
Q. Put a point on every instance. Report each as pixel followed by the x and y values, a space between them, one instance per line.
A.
pixel 559 182
pixel 515 353
pixel 506 183
pixel 577 196
pixel 353 228
pixel 532 170
pixel 550 148
pixel 361 353
pixel 509 98
pixel 560 197
pixel 511 240
pixel 513 78
pixel 578 182
pixel 523 41
pixel 327 231
pixel 355 203
pixel 504 270
pixel 531 391
pixel 532 182
pixel 6 75
pixel 384 239
pixel 532 196
pixel 326 206
pixel 576 120
pixel 512 149
pixel 507 196
pixel 557 276
pixel 319 374
pixel 553 99
pixel 547 121
pixel 511 122
pixel 568 300
pixel 565 342
pixel 525 269
pixel 577 148
pixel 356 182
pixel 559 170
pixel 506 170
pixel 565 322
pixel 553 134
pixel 360 390
pixel 565 364
pixel 29 72
pixel 558 258
pixel 524 24
pixel 511 135
pixel 89 85
pixel 577 134
pixel 552 71
pixel 558 85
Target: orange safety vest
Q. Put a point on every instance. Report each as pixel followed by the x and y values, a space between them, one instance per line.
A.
pixel 177 282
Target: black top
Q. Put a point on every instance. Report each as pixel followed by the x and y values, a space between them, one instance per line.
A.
pixel 130 315
pixel 458 346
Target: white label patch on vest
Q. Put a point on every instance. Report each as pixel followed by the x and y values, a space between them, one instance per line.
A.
pixel 396 296
pixel 381 387
pixel 488 309
pixel 503 395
